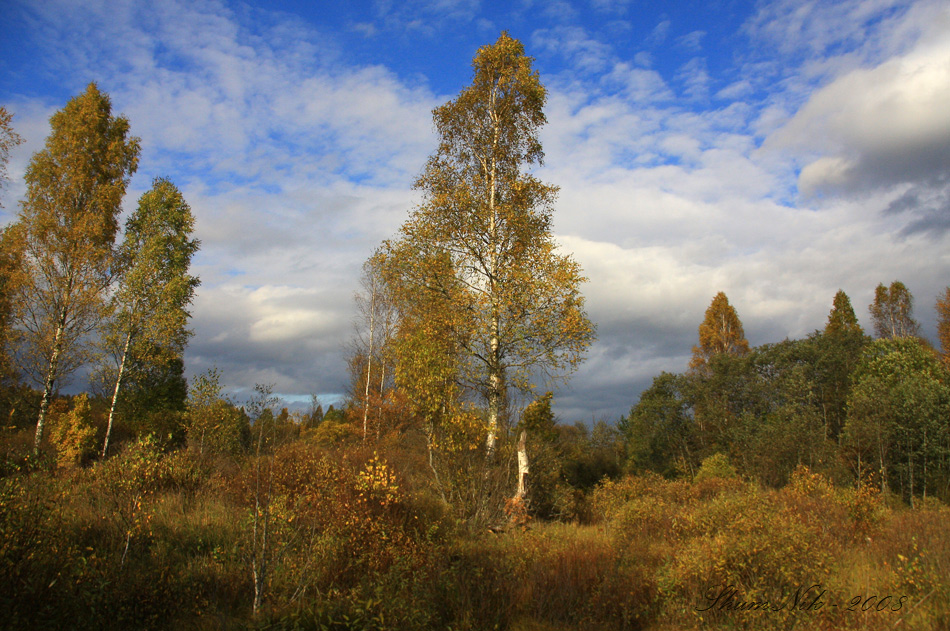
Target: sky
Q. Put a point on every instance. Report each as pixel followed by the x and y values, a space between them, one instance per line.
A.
pixel 776 151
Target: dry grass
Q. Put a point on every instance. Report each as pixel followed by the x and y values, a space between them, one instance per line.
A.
pixel 360 546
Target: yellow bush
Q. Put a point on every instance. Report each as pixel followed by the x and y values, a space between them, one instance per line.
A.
pixel 73 433
pixel 757 548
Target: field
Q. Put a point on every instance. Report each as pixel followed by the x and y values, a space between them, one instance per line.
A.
pixel 346 538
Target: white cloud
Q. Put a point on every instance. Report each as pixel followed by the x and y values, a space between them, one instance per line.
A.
pixel 887 125
pixel 659 33
pixel 297 162
pixel 691 41
pixel 586 54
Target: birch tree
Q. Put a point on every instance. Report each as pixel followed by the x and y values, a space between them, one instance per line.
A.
pixel 69 221
pixel 11 280
pixel 892 312
pixel 481 238
pixel 374 330
pixel 155 288
pixel 10 250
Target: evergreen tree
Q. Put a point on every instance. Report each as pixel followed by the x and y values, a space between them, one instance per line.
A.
pixel 943 325
pixel 841 319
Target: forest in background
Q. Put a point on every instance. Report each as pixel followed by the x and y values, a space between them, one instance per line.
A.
pixel 801 484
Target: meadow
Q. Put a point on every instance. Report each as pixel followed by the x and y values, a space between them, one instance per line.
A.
pixel 341 536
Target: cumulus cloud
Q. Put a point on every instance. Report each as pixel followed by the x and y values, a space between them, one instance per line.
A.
pixel 886 125
pixel 586 53
pixel 883 128
pixel 298 160
pixel 294 167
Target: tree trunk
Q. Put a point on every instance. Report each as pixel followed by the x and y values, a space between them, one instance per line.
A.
pixel 259 528
pixel 382 386
pixel 910 475
pixel 115 393
pixel 495 369
pixel 48 385
pixel 883 471
pixel 522 489
pixel 369 357
pixel 494 410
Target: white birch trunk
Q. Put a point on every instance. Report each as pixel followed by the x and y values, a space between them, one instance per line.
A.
pixel 522 489
pixel 115 393
pixel 48 385
pixel 369 354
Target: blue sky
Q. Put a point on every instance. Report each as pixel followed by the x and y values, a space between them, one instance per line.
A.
pixel 777 151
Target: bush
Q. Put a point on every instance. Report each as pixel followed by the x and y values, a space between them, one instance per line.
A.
pixel 716 466
pixel 72 433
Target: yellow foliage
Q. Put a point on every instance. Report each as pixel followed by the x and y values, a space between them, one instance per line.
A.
pixel 73 434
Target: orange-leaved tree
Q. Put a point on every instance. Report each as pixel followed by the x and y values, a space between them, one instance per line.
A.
pixel 720 332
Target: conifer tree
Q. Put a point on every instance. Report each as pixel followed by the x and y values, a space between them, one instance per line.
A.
pixel 68 222
pixel 155 288
pixel 720 332
pixel 841 319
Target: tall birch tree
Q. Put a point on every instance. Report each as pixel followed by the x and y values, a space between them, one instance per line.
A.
pixel 10 248
pixel 69 221
pixel 892 312
pixel 374 329
pixel 481 238
pixel 155 289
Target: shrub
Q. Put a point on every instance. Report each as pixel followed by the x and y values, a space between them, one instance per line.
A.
pixel 716 466
pixel 73 434
pixel 758 544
